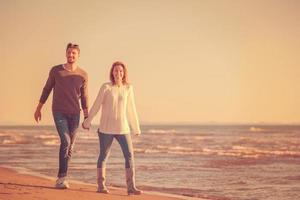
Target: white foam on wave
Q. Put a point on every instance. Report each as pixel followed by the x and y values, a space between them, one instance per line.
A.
pixel 8 141
pixel 89 136
pixel 180 148
pixel 138 150
pixel 170 150
pixel 15 140
pixel 256 129
pixel 256 151
pixel 200 138
pixel 162 131
pixel 51 142
pixel 222 152
pixel 234 151
pixel 249 152
pixel 45 136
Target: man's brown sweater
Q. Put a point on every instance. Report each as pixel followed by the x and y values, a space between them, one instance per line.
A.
pixel 68 88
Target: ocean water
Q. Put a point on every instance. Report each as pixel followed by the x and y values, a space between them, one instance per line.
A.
pixel 230 162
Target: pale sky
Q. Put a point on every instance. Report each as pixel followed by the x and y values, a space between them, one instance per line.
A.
pixel 190 61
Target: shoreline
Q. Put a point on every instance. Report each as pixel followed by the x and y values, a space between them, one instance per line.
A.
pixel 33 185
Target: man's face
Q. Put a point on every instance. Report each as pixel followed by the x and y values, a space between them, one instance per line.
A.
pixel 72 55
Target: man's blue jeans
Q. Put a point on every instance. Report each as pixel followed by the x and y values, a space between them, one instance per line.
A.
pixel 105 141
pixel 66 126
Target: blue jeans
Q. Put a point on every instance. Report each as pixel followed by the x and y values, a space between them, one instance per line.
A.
pixel 66 126
pixel 105 141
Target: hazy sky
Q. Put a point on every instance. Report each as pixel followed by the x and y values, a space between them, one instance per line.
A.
pixel 190 61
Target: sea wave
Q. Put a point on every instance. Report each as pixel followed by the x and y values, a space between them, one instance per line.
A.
pixel 51 142
pixel 89 137
pixel 256 129
pixel 162 131
pixel 261 152
pixel 45 136
pixel 235 151
pixel 15 140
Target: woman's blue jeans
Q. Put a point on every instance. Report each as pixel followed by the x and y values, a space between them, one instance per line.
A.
pixel 66 126
pixel 106 140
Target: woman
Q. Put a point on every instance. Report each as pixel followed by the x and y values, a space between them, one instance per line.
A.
pixel 116 101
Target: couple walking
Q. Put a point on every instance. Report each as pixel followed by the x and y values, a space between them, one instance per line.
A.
pixel 118 115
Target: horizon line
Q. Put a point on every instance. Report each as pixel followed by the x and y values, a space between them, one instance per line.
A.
pixel 186 124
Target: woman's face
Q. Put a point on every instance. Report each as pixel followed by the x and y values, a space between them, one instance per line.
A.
pixel 118 73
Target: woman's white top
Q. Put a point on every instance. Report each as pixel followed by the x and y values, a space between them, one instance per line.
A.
pixel 118 110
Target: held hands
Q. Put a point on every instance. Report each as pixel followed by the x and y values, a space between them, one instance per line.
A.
pixel 137 134
pixel 85 125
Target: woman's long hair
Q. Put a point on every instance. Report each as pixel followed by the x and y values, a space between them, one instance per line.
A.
pixel 125 77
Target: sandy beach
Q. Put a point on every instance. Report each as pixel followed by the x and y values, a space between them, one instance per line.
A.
pixel 18 186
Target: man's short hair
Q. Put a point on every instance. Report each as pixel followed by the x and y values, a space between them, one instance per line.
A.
pixel 73 46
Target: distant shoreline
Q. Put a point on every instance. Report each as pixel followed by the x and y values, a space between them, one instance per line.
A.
pixel 167 125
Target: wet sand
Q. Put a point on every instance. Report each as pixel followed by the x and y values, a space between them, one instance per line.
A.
pixel 18 186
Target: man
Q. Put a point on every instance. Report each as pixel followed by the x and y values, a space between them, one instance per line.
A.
pixel 69 84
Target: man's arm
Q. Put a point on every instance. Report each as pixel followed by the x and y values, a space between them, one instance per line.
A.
pixel 85 113
pixel 46 91
pixel 37 113
pixel 84 98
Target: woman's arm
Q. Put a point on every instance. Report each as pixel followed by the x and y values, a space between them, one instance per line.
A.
pixel 96 107
pixel 132 114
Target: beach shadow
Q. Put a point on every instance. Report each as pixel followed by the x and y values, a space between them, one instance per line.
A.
pixel 4 193
pixel 53 188
pixel 23 185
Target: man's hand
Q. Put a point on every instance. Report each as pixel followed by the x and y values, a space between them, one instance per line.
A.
pixel 85 127
pixel 37 113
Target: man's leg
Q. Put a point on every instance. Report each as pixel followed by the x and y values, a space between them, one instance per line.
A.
pixel 62 128
pixel 73 124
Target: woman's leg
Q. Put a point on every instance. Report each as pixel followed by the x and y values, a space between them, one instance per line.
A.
pixel 127 149
pixel 105 141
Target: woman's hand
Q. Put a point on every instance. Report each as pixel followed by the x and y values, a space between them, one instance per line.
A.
pixel 85 126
